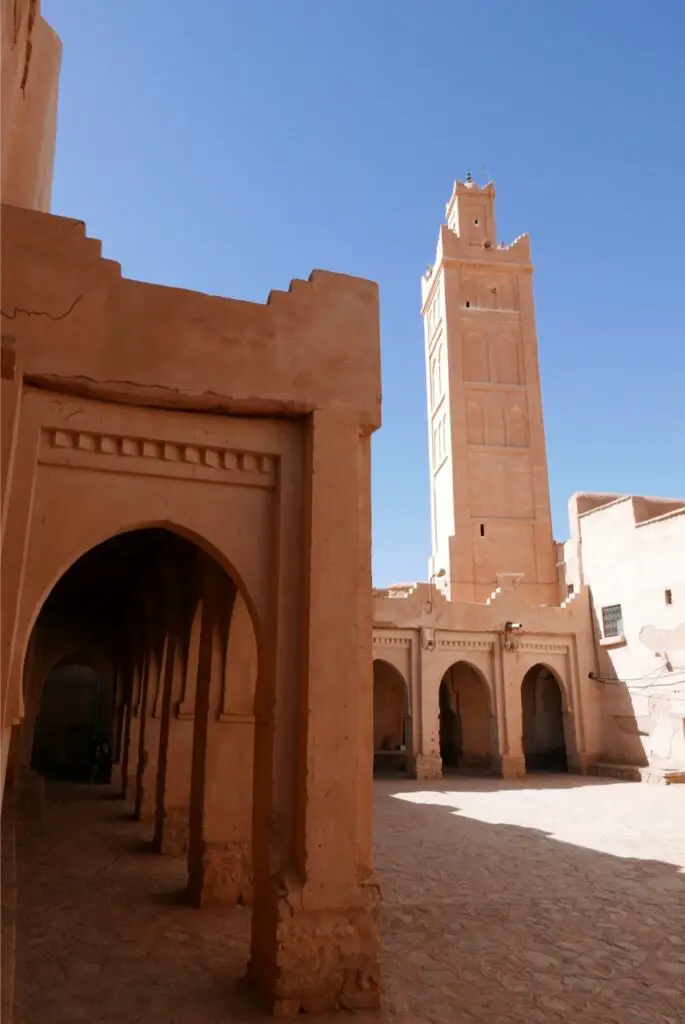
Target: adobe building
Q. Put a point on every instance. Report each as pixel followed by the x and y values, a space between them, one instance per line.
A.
pixel 186 519
pixel 497 664
pixel 630 553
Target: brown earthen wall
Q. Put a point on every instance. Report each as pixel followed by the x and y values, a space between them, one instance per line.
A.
pixel 31 57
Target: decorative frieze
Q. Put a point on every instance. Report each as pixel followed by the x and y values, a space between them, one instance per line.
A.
pixel 469 645
pixel 546 648
pixel 116 450
pixel 391 641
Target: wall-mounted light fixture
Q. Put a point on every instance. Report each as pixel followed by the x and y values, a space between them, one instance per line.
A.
pixel 436 576
pixel 509 628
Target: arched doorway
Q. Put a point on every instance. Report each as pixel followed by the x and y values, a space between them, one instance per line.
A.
pixel 467 731
pixel 74 720
pixel 544 743
pixel 391 726
pixel 169 615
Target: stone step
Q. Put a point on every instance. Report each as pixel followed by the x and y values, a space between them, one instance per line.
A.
pixel 634 773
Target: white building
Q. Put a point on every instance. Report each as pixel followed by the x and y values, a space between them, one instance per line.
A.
pixel 629 552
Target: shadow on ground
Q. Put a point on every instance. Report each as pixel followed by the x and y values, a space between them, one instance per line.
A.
pixel 482 921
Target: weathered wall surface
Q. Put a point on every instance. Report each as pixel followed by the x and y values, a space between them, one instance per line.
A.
pixel 304 349
pixel 388 707
pixel 629 551
pixel 31 57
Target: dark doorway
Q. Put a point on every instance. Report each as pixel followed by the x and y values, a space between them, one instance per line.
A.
pixel 544 744
pixel 466 739
pixel 104 596
pixel 391 723
pixel 74 719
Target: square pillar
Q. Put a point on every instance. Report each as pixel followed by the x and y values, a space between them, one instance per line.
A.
pixel 132 748
pixel 512 759
pixel 172 802
pixel 176 720
pixel 315 931
pixel 146 783
pixel 220 845
pixel 427 764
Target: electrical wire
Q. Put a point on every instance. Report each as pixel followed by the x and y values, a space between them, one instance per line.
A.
pixel 653 677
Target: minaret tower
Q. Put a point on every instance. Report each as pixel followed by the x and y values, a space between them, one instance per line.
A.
pixel 491 520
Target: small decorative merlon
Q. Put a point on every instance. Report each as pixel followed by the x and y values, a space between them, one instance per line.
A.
pixel 163 451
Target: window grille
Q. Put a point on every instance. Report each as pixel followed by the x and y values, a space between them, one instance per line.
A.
pixel 612 620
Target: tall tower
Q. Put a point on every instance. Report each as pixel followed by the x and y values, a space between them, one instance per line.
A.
pixel 491 520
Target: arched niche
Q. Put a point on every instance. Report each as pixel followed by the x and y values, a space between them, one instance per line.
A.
pixel 506 358
pixel 517 427
pixel 546 720
pixel 391 717
pixel 475 358
pixel 468 732
pixel 475 429
pixel 75 713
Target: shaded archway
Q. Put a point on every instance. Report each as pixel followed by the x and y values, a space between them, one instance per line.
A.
pixel 102 596
pixel 165 609
pixel 391 725
pixel 544 742
pixel 74 720
pixel 467 729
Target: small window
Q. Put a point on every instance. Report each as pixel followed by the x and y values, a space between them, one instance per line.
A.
pixel 668 596
pixel 612 620
pixel 570 589
pixel 482 529
pixel 467 304
pixel 476 222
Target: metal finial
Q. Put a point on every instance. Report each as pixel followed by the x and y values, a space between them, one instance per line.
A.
pixel 469 178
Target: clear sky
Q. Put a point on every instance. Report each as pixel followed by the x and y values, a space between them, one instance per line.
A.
pixel 230 146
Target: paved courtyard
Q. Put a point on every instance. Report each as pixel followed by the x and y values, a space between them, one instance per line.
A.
pixel 556 900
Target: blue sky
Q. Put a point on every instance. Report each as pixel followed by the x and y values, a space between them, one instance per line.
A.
pixel 230 146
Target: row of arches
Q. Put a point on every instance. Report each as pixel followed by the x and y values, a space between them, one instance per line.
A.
pixel 142 658
pixel 467 723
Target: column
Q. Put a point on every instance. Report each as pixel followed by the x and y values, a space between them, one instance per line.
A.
pixel 220 853
pixel 428 762
pixel 148 748
pixel 118 726
pixel 508 682
pixel 315 930
pixel 127 741
pixel 178 718
pixel 135 722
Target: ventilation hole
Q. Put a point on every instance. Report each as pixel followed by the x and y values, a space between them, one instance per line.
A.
pixel 482 529
pixel 476 222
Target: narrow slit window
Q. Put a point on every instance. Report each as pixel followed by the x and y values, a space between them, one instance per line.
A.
pixel 668 596
pixel 482 529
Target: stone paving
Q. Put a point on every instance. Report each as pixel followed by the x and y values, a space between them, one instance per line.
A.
pixel 559 899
